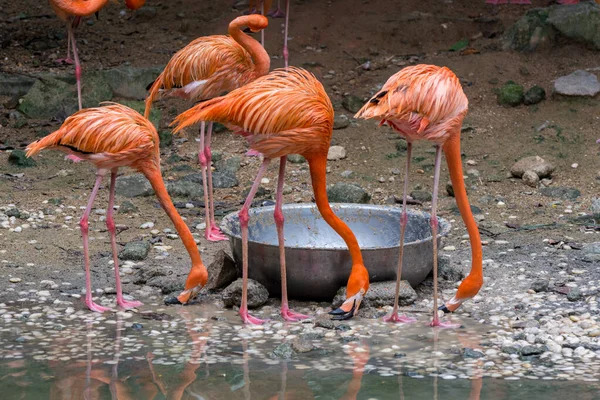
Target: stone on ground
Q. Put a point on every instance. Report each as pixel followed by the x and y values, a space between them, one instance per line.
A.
pixel 257 294
pixel 18 158
pixel 537 164
pixel 135 251
pixel 221 272
pixel 14 85
pixel 579 83
pixel 381 294
pixel 130 82
pixel 336 153
pixel 580 22
pixel 135 185
pixel 511 94
pixel 534 95
pixel 352 103
pixel 347 193
pixel 560 192
pixel 340 121
pixel 530 178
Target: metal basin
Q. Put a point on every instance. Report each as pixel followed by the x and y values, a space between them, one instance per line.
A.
pixel 318 261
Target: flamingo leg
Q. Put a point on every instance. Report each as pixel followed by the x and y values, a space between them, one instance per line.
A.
pixel 244 219
pixel 77 64
pixel 286 313
pixel 277 13
pixel 394 317
pixel 203 167
pixel 83 223
pixel 110 225
pixel 68 59
pixel 434 232
pixel 285 32
pixel 214 231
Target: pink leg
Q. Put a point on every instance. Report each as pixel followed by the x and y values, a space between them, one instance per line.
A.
pixel 286 313
pixel 393 316
pixel 68 59
pixel 215 232
pixel 244 219
pixel 110 224
pixel 434 231
pixel 203 166
pixel 77 65
pixel 285 32
pixel 496 2
pixel 277 13
pixel 83 223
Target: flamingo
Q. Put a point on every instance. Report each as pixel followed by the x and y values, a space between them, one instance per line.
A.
pixel 285 112
pixel 71 11
pixel 204 69
pixel 426 102
pixel 110 137
pixel 277 13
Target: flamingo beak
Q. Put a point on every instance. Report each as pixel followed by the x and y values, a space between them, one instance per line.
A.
pixel 247 30
pixel 184 297
pixel 450 306
pixel 349 308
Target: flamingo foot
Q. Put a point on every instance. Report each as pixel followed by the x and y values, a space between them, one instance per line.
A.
pixel 437 324
pixel 249 319
pixel 277 13
pixel 213 236
pixel 292 316
pixel 397 318
pixel 126 304
pixel 217 231
pixel 95 307
pixel 65 61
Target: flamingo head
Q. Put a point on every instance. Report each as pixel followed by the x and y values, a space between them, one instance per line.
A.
pixel 196 280
pixel 134 4
pixel 358 285
pixel 255 22
pixel 451 305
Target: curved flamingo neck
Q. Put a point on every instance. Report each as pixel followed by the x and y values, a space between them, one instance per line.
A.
pixel 156 180
pixel 259 55
pixel 452 151
pixel 77 8
pixel 318 171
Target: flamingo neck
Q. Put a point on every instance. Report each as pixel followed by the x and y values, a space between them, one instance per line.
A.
pixel 77 8
pixel 318 167
pixel 259 55
pixel 154 176
pixel 452 151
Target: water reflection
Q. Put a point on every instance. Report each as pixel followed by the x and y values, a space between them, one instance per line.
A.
pixel 188 354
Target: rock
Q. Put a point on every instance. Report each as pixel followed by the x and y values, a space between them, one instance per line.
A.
pixel 302 345
pixel 186 189
pixel 135 185
pixel 401 146
pixel 130 82
pixel 591 252
pixel 448 271
pixel 450 189
pixel 532 350
pixel 560 192
pixel 18 158
pixel 221 272
pixel 257 294
pixel 579 83
pixel 530 178
pixel 324 322
pixel 540 285
pixel 352 103
pixel 474 209
pixel 541 167
pixel 145 13
pixel 340 121
pixel 530 32
pixel 95 90
pixel 231 164
pixel 139 106
pixel 165 138
pixel 167 284
pixel 381 294
pixel 221 179
pixel 14 85
pixel 579 22
pixel 336 153
pixel 144 275
pixel 296 159
pixel 347 174
pixel 511 94
pixel 135 251
pixel 347 193
pixel 470 353
pixel 127 207
pixel 283 351
pixel 574 295
pixel 421 195
pixel 534 95
pixel 510 350
pixel 13 212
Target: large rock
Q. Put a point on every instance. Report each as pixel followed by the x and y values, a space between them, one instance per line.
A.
pixel 139 106
pixel 18 158
pixel 340 121
pixel 135 251
pixel 130 82
pixel 221 272
pixel 347 193
pixel 381 294
pixel 95 90
pixel 49 98
pixel 560 192
pixel 221 179
pixel 591 252
pixel 336 153
pixel 352 103
pixel 133 186
pixel 14 84
pixel 257 294
pixel 537 164
pixel 580 22
pixel 530 32
pixel 231 164
pixel 579 83
pixel 185 189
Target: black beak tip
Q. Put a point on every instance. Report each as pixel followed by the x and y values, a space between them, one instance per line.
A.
pixel 169 301
pixel 247 30
pixel 337 311
pixel 444 309
pixel 340 315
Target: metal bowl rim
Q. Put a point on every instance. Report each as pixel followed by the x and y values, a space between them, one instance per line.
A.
pixel 444 225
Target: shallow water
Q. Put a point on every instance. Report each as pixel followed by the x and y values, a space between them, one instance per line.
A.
pixel 200 353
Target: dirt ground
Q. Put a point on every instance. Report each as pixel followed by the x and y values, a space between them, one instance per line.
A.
pixel 330 38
